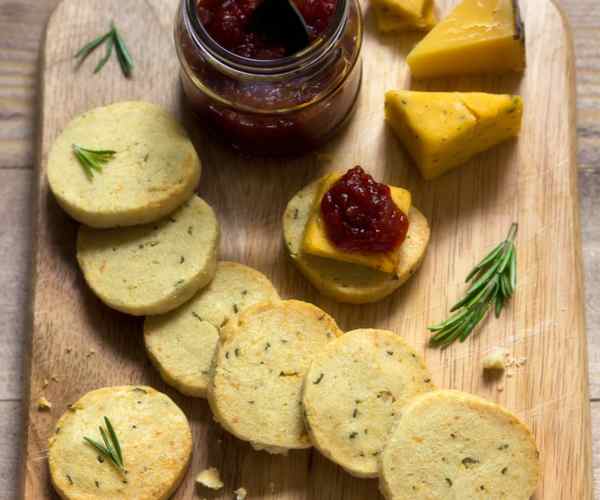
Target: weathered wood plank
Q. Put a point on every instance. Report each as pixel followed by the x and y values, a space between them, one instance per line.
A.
pixel 596 447
pixel 15 252
pixel 589 182
pixel 10 449
pixel 22 24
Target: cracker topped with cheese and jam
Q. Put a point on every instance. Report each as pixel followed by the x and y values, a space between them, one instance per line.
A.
pixel 355 239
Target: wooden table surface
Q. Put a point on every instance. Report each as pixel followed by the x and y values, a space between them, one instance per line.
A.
pixel 22 25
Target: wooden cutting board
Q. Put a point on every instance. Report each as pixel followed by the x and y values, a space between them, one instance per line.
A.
pixel 78 344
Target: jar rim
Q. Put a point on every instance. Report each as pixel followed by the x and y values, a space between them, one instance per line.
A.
pixel 312 54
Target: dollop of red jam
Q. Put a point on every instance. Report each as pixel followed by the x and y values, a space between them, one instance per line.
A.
pixel 228 22
pixel 361 216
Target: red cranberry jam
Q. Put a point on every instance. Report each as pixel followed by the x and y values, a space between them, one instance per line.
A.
pixel 361 216
pixel 229 23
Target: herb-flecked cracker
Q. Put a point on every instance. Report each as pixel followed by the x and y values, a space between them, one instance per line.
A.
pixel 182 343
pixel 262 358
pixel 448 444
pixel 152 269
pixel 345 282
pixel 354 392
pixel 154 170
pixel 153 434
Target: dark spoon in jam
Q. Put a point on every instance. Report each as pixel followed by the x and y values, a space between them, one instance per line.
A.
pixel 232 23
pixel 280 22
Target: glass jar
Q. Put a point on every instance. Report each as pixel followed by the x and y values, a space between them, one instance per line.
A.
pixel 279 106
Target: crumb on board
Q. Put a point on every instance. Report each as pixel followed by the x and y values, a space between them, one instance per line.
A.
pixel 90 353
pixel 43 404
pixel 495 360
pixel 500 388
pixel 241 494
pixel 210 478
pixel 45 384
pixel 54 378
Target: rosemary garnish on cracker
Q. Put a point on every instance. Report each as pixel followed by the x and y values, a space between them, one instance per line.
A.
pixel 495 281
pixel 92 160
pixel 112 39
pixel 111 449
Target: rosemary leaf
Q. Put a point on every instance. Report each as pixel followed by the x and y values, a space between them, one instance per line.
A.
pixel 112 39
pixel 104 60
pixel 123 54
pixel 92 160
pixel 115 441
pixel 111 449
pixel 88 48
pixel 495 282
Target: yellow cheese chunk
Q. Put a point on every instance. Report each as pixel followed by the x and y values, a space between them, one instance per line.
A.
pixel 410 10
pixel 479 36
pixel 317 243
pixel 442 130
pixel 389 21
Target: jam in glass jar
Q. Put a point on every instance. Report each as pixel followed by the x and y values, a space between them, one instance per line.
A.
pixel 265 104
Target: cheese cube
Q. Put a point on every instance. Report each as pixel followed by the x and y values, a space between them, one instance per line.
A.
pixel 316 241
pixel 442 130
pixel 389 21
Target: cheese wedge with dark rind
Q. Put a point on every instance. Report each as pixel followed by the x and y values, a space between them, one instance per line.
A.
pixel 477 37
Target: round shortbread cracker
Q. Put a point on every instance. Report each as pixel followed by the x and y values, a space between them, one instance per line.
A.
pixel 262 358
pixel 182 343
pixel 346 282
pixel 154 171
pixel 154 436
pixel 448 444
pixel 354 392
pixel 155 268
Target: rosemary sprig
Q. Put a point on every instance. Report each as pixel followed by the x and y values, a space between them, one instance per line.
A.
pixel 112 39
pixel 495 281
pixel 111 448
pixel 92 160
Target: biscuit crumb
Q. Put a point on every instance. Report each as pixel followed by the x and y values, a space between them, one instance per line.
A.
pixel 45 383
pixel 54 378
pixel 241 494
pixel 43 404
pixel 90 353
pixel 495 360
pixel 500 388
pixel 210 478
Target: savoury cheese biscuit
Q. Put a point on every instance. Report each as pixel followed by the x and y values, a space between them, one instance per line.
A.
pixel 262 358
pixel 154 436
pixel 345 282
pixel 154 170
pixel 354 392
pixel 182 343
pixel 449 444
pixel 154 268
